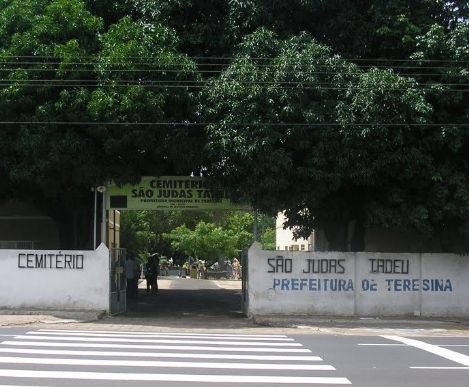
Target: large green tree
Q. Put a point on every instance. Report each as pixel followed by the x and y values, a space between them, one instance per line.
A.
pixel 297 128
pixel 213 241
pixel 176 233
pixel 142 232
pixel 74 96
pixel 443 56
pixel 42 48
pixel 101 90
pixel 355 28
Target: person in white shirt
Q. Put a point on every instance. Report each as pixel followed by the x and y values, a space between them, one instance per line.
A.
pixel 131 276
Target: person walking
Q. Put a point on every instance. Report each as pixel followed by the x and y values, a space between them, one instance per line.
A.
pixel 236 269
pixel 200 269
pixel 151 273
pixel 131 277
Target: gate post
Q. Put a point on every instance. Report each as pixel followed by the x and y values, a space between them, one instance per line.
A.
pixel 117 281
pixel 244 280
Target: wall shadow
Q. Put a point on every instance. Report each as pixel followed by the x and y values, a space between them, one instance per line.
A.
pixel 183 303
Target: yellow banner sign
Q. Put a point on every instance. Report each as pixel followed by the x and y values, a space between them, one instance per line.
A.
pixel 169 193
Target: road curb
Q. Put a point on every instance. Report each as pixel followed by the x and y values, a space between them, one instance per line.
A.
pixel 15 317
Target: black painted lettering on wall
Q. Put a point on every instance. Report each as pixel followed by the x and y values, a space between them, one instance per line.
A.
pixel 280 264
pixel 389 266
pixel 324 266
pixel 20 261
pixel 51 261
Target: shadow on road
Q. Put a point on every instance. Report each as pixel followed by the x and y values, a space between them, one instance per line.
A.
pixel 188 299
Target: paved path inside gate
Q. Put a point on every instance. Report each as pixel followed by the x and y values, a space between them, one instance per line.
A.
pixel 184 299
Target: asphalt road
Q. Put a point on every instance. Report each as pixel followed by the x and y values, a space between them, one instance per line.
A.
pixel 72 358
pixel 395 360
pixel 193 334
pixel 183 297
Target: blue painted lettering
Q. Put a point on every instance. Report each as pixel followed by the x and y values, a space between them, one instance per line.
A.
pixel 426 285
pixel 415 285
pixel 448 286
pixel 313 285
pixel 276 283
pixel 406 285
pixel 369 285
pixel 294 283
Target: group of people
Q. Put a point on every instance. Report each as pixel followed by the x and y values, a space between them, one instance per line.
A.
pixel 151 272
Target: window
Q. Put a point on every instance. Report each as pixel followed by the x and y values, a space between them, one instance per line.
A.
pixel 12 245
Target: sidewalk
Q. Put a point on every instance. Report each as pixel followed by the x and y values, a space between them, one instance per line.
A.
pixel 261 324
pixel 31 317
pixel 186 305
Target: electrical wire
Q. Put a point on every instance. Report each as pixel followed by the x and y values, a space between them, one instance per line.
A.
pixel 187 124
pixel 231 58
pixel 75 70
pixel 271 65
pixel 189 82
pixel 169 86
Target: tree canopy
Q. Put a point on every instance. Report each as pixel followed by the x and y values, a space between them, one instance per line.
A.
pixel 335 111
pixel 71 95
pixel 335 134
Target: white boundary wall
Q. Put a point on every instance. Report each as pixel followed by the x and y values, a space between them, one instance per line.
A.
pixel 361 284
pixel 55 280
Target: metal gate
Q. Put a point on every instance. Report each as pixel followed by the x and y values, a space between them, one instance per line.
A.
pixel 244 280
pixel 118 282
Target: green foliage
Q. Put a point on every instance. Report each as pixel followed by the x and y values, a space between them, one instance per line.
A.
pixel 358 29
pixel 239 226
pixel 176 233
pixel 373 166
pixel 206 235
pixel 135 69
pixel 137 235
pixel 17 16
pixel 206 241
pixel 447 199
pixel 53 36
pixel 143 231
pixel 110 11
pixel 390 157
pixel 60 65
pixel 268 239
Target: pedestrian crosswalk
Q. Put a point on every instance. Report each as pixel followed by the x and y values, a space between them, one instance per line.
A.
pixel 50 356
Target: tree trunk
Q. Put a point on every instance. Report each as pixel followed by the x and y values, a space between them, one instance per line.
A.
pixel 336 234
pixel 75 227
pixel 357 242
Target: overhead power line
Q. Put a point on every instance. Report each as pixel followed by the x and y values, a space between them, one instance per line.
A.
pixel 231 58
pixel 205 86
pixel 222 65
pixel 141 70
pixel 273 124
pixel 143 82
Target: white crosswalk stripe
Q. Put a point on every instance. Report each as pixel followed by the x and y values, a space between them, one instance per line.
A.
pixel 51 332
pixel 53 354
pixel 150 341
